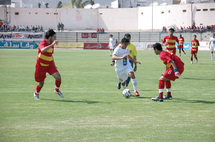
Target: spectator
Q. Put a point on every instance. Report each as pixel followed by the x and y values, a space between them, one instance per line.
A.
pixel 58 26
pixel 62 26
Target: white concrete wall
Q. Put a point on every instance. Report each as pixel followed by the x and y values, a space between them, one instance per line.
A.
pixel 78 19
pixel 28 17
pixel 118 19
pixel 114 19
pixel 164 16
pixel 204 17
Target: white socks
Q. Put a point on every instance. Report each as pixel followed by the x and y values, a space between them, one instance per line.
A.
pixel 110 52
pixel 168 90
pixel 134 82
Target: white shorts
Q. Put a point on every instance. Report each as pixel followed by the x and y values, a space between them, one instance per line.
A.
pixel 212 48
pixel 112 47
pixel 123 75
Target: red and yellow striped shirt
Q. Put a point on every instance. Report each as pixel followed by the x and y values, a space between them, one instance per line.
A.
pixel 194 44
pixel 181 41
pixel 45 59
pixel 170 41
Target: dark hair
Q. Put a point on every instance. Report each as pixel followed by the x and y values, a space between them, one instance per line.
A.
pixel 50 33
pixel 180 35
pixel 157 46
pixel 127 35
pixel 171 29
pixel 124 40
pixel 195 35
pixel 111 35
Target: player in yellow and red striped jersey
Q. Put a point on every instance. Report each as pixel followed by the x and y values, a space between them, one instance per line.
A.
pixel 194 49
pixel 181 45
pixel 169 41
pixel 45 63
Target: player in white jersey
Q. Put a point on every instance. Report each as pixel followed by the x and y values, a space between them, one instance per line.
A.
pixel 122 65
pixel 112 43
pixel 212 46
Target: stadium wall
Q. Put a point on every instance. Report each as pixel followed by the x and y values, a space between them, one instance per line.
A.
pixel 129 19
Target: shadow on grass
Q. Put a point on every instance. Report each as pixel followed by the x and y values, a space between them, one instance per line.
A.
pixel 198 79
pixel 71 101
pixel 195 101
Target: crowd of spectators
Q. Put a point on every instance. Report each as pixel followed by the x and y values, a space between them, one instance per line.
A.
pixel 5 27
pixel 199 29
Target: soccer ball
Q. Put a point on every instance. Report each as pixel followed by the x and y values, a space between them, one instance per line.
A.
pixel 126 93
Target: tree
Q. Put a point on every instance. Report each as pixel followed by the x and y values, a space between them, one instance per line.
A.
pixel 81 4
pixel 59 5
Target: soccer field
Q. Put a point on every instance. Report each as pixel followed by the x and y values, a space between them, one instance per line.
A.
pixel 94 109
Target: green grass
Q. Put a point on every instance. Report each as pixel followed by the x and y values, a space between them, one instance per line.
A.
pixel 94 109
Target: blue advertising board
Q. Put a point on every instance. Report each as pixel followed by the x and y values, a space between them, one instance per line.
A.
pixel 187 46
pixel 19 45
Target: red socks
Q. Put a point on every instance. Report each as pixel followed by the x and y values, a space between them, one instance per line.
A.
pixel 161 87
pixel 38 88
pixel 57 83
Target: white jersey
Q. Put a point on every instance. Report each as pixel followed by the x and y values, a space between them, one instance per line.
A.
pixel 112 42
pixel 122 64
pixel 212 40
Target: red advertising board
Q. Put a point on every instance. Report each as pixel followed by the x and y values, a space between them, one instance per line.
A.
pixel 100 46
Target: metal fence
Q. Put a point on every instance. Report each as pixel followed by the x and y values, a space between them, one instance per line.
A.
pixel 135 36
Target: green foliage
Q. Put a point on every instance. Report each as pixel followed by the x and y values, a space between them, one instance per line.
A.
pixel 81 3
pixel 59 5
pixel 94 109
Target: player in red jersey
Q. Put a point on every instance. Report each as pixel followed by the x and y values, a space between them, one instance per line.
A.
pixel 45 63
pixel 169 41
pixel 194 44
pixel 175 68
pixel 181 45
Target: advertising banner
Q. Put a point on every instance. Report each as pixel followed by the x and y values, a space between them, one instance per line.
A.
pixel 100 46
pixel 204 46
pixel 19 45
pixel 22 36
pixel 89 35
pixel 70 45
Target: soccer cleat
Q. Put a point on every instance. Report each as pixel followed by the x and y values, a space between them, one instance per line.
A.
pixel 167 97
pixel 119 85
pixel 157 99
pixel 36 97
pixel 191 62
pixel 197 61
pixel 136 94
pixel 60 94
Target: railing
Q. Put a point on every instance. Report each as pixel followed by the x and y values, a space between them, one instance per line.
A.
pixel 135 36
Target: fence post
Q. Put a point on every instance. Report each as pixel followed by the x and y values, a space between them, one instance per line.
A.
pixel 97 37
pixel 139 36
pixel 76 36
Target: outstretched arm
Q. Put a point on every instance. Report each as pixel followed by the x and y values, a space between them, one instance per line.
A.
pixel 115 57
pixel 49 46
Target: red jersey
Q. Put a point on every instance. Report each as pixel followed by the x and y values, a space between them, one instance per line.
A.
pixel 45 59
pixel 181 41
pixel 166 57
pixel 194 45
pixel 170 41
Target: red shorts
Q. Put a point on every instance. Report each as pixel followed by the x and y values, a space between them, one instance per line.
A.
pixel 173 50
pixel 194 52
pixel 40 71
pixel 180 46
pixel 170 74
